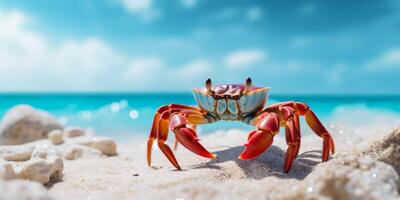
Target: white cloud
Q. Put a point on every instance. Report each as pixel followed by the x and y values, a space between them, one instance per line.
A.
pixel 80 58
pixel 152 74
pixel 244 58
pixel 16 42
pixel 197 67
pixel 28 56
pixel 389 60
pixel 29 61
pixel 142 8
pixel 143 70
pixel 137 5
pixel 254 13
pixel 189 3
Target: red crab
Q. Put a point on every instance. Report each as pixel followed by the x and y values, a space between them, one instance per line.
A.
pixel 236 102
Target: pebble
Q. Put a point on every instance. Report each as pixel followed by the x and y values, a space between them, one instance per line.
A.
pixel 56 137
pixel 73 132
pixel 106 145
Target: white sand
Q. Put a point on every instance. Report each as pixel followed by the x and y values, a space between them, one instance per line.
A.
pixel 127 175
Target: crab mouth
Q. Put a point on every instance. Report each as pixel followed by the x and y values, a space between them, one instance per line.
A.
pixel 226 96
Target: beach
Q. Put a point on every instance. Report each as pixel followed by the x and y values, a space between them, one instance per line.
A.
pixel 264 100
pixel 97 167
pixel 241 100
pixel 127 175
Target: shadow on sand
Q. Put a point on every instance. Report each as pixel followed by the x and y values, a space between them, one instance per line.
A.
pixel 270 163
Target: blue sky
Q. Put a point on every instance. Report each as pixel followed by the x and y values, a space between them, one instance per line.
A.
pixel 295 47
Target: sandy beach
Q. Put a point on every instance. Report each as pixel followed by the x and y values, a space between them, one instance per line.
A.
pixel 258 94
pixel 76 164
pixel 127 176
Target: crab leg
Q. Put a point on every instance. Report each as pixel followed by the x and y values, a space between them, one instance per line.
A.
pixel 261 139
pixel 159 131
pixel 314 123
pixel 186 135
pixel 175 146
pixel 292 133
pixel 296 121
pixel 163 136
pixel 154 132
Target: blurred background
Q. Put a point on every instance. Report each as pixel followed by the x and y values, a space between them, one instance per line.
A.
pixel 109 64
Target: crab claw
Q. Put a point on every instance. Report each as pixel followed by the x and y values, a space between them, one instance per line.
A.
pixel 258 142
pixel 261 139
pixel 187 137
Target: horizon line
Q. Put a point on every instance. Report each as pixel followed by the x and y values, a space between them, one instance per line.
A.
pixel 94 93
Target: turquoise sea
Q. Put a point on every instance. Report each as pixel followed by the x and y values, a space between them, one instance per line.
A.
pixel 121 115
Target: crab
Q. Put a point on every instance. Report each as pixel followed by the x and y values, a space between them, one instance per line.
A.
pixel 241 102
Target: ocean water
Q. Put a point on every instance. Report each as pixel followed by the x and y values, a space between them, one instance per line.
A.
pixel 124 115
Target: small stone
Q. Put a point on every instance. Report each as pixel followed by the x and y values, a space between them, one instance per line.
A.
pixel 106 145
pixel 56 137
pixel 16 153
pixel 135 174
pixel 42 170
pixel 73 132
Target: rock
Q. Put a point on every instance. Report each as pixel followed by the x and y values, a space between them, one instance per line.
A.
pixel 73 132
pixel 78 151
pixel 23 124
pixel 23 190
pixel 88 147
pixel 16 153
pixel 41 170
pixel 106 145
pixel 352 177
pixel 6 170
pixel 39 162
pixel 56 137
pixel 72 148
pixel 384 147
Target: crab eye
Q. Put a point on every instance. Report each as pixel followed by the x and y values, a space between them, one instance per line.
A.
pixel 208 84
pixel 209 87
pixel 248 82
